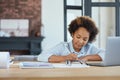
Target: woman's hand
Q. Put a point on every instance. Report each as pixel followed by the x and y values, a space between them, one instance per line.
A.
pixel 83 58
pixel 71 57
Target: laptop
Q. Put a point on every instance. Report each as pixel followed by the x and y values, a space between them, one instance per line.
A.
pixel 112 55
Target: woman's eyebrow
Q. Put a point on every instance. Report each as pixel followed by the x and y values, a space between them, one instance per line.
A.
pixel 85 37
pixel 81 36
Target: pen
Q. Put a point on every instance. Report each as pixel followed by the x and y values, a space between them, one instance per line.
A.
pixel 82 62
pixel 68 62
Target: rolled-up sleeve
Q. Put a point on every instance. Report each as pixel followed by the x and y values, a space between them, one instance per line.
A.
pixel 44 56
pixel 56 50
pixel 95 50
pixel 102 53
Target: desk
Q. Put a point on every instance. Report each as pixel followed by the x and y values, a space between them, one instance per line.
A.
pixel 91 73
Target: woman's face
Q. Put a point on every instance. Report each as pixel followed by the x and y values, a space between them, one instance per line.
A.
pixel 80 38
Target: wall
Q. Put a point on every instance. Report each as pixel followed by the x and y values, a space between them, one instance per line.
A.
pixel 52 20
pixel 22 9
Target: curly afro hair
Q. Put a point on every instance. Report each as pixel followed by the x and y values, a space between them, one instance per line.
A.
pixel 87 23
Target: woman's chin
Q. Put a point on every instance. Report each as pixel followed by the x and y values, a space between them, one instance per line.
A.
pixel 79 48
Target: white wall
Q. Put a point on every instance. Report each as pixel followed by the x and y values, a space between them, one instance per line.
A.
pixel 52 19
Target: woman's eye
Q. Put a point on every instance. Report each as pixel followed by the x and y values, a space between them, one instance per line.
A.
pixel 78 37
pixel 85 39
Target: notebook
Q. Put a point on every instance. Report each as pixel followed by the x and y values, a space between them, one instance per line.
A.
pixel 35 65
pixel 112 55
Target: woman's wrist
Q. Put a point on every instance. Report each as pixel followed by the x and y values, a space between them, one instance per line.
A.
pixel 84 58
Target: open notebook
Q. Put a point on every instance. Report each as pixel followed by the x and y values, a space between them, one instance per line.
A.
pixel 50 65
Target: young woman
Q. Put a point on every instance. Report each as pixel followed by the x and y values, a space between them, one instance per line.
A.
pixel 83 32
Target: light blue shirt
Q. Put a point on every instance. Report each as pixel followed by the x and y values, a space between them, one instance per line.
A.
pixel 65 48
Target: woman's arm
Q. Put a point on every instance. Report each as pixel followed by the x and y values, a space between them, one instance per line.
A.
pixel 56 59
pixel 94 57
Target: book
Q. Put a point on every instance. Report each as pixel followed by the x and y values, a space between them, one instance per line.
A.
pixel 35 65
pixel 25 58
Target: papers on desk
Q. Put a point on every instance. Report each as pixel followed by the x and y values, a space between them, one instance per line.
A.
pixel 50 65
pixel 60 65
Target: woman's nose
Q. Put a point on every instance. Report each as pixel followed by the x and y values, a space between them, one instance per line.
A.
pixel 81 41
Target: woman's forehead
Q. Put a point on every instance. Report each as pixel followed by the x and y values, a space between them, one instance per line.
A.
pixel 82 31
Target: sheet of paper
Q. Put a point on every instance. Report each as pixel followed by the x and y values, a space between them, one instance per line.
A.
pixel 61 65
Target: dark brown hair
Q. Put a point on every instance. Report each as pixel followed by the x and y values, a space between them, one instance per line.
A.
pixel 87 23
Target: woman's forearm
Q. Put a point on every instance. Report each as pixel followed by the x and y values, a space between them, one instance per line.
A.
pixel 94 57
pixel 57 59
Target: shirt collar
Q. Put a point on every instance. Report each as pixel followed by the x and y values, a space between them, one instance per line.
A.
pixel 71 47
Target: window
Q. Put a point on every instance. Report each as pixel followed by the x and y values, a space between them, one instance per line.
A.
pixel 72 9
pixel 105 13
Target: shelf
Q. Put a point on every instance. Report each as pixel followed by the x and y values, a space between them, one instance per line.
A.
pixel 32 44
